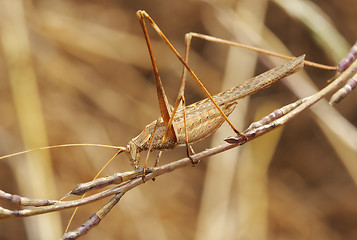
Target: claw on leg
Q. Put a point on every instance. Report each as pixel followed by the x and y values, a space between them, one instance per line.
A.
pixel 194 162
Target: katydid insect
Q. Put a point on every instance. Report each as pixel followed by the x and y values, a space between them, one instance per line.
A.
pixel 199 120
pixel 203 118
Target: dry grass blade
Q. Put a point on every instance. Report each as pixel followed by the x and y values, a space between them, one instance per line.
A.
pixel 225 170
pixel 35 174
pixel 325 34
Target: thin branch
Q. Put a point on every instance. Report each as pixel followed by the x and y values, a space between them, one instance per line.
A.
pixel 262 127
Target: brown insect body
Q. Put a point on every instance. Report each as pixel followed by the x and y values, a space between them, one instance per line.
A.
pixel 202 117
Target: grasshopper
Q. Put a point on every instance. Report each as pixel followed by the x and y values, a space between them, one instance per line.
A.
pixel 187 125
pixel 203 118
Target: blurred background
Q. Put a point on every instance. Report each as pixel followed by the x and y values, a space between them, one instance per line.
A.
pixel 79 72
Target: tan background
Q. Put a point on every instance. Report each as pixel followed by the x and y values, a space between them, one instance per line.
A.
pixel 79 72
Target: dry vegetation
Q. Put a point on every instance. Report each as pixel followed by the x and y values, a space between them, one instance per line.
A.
pixel 79 72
